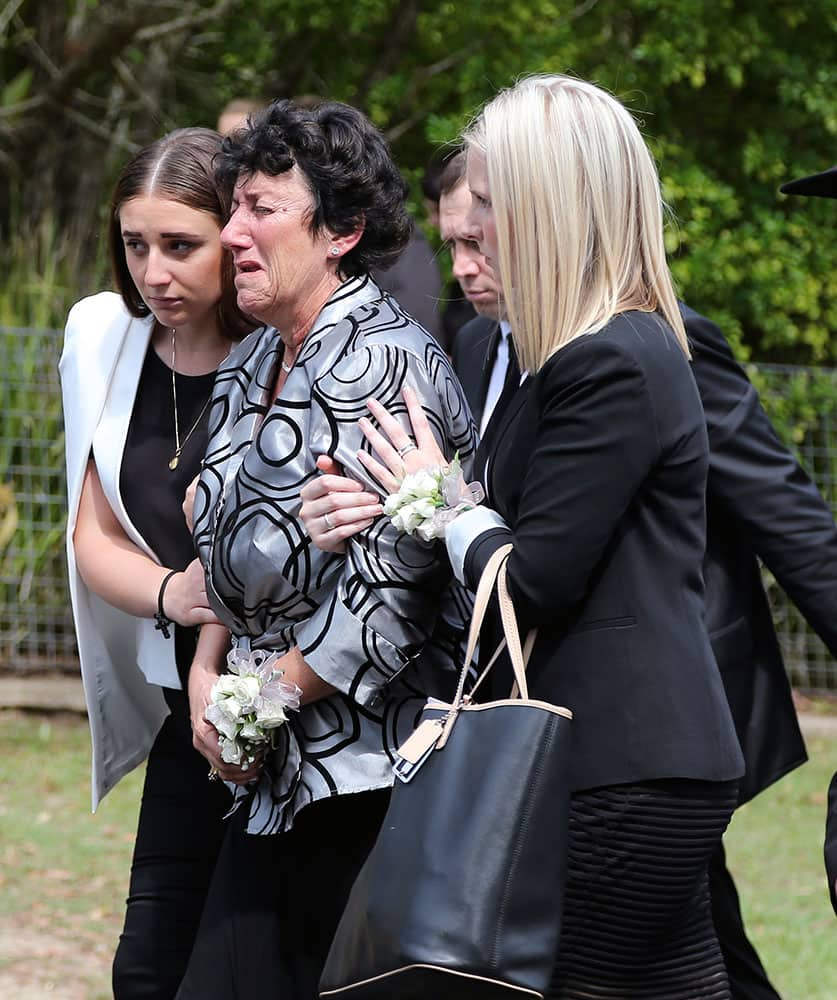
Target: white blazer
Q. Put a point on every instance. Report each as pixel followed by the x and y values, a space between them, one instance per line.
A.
pixel 124 659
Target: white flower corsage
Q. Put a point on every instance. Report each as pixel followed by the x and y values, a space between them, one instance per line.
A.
pixel 248 705
pixel 428 500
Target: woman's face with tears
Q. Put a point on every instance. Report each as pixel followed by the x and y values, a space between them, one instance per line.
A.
pixel 280 264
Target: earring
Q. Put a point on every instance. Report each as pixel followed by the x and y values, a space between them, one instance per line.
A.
pixel 335 252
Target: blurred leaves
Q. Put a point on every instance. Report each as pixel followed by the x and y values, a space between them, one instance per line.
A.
pixel 736 96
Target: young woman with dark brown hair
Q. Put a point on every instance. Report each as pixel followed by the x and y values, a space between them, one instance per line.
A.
pixel 137 373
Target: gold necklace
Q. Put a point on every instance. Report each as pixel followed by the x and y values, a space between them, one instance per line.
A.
pixel 180 445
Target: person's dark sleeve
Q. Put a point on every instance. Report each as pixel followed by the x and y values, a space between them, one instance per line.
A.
pixel 760 484
pixel 831 842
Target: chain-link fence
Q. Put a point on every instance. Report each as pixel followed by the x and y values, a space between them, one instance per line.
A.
pixel 36 630
pixel 36 627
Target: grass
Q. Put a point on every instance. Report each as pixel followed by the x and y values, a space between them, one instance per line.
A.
pixel 64 872
pixel 774 849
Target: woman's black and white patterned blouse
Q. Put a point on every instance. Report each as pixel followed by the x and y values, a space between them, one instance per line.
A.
pixel 379 624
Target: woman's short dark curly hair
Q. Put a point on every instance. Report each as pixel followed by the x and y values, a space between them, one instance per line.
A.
pixel 180 167
pixel 347 165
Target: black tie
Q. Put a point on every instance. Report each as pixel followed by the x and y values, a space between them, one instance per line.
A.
pixel 511 383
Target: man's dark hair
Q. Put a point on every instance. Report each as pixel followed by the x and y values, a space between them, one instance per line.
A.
pixel 453 173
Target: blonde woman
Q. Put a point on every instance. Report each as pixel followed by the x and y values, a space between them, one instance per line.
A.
pixel 596 474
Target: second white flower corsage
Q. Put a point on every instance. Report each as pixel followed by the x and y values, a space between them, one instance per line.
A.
pixel 428 500
pixel 248 704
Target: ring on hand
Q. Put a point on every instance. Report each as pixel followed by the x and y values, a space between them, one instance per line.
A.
pixel 213 774
pixel 407 448
pixel 327 521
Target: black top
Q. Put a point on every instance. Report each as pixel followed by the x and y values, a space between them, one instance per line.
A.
pixel 152 492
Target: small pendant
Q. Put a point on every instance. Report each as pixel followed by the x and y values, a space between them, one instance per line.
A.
pixel 173 462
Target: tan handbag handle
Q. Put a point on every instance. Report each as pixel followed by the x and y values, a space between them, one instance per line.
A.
pixel 511 631
pixel 528 646
pixel 484 590
pixel 494 573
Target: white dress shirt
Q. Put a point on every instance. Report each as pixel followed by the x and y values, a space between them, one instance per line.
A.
pixel 498 375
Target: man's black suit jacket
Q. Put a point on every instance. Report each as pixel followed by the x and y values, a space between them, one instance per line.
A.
pixel 472 355
pixel 598 465
pixel 759 503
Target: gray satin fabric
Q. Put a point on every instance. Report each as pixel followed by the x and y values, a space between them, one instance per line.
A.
pixel 382 624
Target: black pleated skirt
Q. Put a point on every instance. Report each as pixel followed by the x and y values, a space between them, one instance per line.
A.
pixel 637 921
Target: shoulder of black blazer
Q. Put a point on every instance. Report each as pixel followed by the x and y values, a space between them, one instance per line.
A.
pixel 757 483
pixel 470 358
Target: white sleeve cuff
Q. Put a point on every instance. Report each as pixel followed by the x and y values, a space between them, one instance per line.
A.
pixel 465 529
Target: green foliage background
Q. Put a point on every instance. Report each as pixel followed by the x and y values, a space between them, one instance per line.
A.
pixel 735 95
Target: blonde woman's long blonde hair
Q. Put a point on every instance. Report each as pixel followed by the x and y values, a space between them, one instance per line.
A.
pixel 578 213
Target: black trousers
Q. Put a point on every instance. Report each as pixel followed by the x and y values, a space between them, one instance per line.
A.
pixel 180 832
pixel 276 900
pixel 747 978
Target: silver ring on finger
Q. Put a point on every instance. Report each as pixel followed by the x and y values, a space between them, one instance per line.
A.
pixel 407 448
pixel 327 522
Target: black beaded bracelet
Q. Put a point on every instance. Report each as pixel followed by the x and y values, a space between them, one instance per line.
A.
pixel 163 621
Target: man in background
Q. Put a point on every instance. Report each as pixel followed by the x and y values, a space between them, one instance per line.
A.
pixel 455 309
pixel 481 352
pixel 823 185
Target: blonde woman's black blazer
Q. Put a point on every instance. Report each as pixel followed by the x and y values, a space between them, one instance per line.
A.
pixel 599 467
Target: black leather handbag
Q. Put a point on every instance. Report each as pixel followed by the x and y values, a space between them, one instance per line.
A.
pixel 461 895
